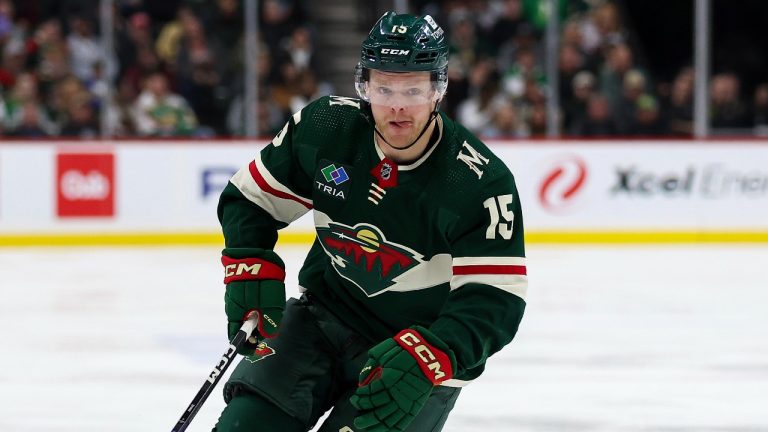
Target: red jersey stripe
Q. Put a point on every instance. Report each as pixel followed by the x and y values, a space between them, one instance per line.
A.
pixel 257 177
pixel 489 269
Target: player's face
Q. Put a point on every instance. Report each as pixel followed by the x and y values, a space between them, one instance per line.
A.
pixel 401 104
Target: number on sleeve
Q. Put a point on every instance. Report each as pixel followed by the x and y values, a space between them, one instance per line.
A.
pixel 499 206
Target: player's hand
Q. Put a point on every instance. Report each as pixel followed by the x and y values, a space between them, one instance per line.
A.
pixel 254 279
pixel 398 379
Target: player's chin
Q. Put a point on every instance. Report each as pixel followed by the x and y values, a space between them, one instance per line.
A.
pixel 398 140
pixel 399 144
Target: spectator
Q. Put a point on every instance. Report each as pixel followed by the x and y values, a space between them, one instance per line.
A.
pixel 619 61
pixel 476 113
pixel 466 45
pixel 575 109
pixel 625 113
pixel 524 70
pixel 278 19
pixel 603 29
pixel 647 120
pixel 680 106
pixel 570 63
pixel 199 76
pixel 84 50
pixel 29 121
pixel 81 120
pixel 504 29
pixel 168 41
pixel 505 123
pixel 49 53
pixel 132 37
pixel 24 115
pixel 6 21
pixel 760 109
pixel 225 24
pixel 298 50
pixel 146 63
pixel 599 122
pixel 158 112
pixel 271 118
pixel 727 111
pixel 537 120
pixel 526 39
pixel 309 90
pixel 120 120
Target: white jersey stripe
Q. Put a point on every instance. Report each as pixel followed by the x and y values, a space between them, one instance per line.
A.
pixel 286 208
pixel 514 284
pixel 475 261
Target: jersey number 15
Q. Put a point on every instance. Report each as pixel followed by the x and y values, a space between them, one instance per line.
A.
pixel 499 206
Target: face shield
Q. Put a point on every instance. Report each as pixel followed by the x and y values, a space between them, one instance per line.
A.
pixel 399 89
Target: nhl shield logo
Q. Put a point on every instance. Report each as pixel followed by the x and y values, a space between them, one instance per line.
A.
pixel 386 171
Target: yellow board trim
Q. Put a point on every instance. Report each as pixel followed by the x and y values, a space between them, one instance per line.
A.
pixel 306 238
pixel 638 237
pixel 134 239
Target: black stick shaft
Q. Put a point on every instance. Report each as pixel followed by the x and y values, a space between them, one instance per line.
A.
pixel 215 375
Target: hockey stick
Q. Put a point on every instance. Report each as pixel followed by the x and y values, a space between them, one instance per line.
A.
pixel 242 335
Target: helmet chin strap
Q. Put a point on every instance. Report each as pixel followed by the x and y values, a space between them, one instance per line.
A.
pixel 432 118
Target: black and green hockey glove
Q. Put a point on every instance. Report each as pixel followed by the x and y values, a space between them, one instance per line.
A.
pixel 398 379
pixel 255 284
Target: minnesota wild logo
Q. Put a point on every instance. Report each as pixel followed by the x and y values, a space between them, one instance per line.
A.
pixel 362 255
pixel 260 353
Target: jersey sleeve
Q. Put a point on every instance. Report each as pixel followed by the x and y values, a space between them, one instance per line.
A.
pixel 273 190
pixel 489 282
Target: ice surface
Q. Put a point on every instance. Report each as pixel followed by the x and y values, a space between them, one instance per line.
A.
pixel 615 339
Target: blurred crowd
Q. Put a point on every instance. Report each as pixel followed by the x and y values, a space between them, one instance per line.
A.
pixel 499 86
pixel 177 71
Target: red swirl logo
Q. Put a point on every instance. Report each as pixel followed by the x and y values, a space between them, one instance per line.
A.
pixel 562 184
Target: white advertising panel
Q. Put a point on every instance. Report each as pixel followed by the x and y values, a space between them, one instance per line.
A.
pixel 641 185
pixel 565 186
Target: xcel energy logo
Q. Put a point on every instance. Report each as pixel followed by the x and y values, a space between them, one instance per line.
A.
pixel 562 183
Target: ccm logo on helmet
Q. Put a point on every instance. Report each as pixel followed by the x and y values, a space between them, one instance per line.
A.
pixel 394 51
pixel 424 354
pixel 240 268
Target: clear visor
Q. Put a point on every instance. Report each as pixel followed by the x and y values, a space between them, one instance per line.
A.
pixel 400 89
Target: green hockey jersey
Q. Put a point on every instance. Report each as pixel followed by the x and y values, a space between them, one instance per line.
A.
pixel 437 242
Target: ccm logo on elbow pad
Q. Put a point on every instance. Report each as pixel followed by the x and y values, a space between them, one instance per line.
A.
pixel 250 269
pixel 434 363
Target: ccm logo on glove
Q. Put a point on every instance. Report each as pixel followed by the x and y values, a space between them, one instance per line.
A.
pixel 435 364
pixel 250 269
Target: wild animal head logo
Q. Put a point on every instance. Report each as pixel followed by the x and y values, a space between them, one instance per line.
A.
pixel 261 352
pixel 362 255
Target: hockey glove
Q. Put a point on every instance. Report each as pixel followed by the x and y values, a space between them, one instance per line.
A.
pixel 254 279
pixel 398 379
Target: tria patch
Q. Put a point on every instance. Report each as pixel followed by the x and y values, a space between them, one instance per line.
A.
pixel 262 351
pixel 333 179
pixel 363 255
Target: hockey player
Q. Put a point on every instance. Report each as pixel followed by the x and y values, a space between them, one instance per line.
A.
pixel 417 274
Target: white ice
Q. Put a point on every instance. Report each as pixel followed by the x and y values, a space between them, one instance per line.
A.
pixel 615 339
